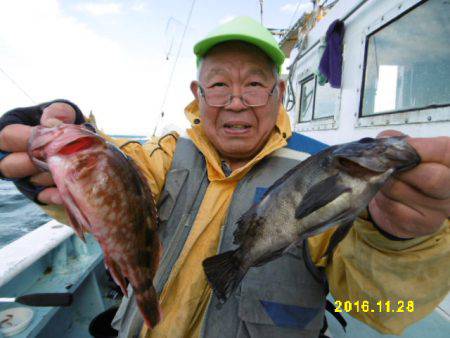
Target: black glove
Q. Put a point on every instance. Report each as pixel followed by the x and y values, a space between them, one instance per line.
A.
pixel 31 116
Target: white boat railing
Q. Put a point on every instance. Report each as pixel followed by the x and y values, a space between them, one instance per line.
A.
pixel 52 259
pixel 22 253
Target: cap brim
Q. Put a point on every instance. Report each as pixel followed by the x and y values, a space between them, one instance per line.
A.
pixel 202 47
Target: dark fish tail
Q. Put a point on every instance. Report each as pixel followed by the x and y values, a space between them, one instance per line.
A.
pixel 147 301
pixel 224 272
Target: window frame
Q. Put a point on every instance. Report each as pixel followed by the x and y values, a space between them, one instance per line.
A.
pixel 401 116
pixel 301 83
pixel 309 64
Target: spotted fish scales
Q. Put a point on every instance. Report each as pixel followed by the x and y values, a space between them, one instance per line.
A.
pixel 105 194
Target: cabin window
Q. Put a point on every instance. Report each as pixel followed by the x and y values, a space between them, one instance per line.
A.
pixel 407 62
pixel 316 101
pixel 325 102
pixel 307 89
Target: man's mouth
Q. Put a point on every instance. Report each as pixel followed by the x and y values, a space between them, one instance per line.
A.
pixel 236 129
pixel 236 126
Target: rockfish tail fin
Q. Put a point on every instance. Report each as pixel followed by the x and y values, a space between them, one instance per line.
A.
pixel 147 301
pixel 224 272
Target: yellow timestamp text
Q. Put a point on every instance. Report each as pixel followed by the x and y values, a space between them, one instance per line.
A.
pixel 379 306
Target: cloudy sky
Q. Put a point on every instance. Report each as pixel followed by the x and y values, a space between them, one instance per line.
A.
pixel 114 57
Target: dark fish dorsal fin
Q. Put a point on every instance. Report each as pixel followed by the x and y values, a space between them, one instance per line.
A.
pixel 320 195
pixel 283 178
pixel 245 222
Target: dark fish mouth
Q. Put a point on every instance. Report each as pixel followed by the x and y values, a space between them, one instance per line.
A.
pixel 78 145
pixel 409 165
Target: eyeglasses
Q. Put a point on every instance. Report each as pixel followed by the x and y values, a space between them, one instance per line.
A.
pixel 218 97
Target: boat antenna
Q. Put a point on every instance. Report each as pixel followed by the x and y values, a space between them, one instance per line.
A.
pixel 17 85
pixel 172 38
pixel 174 66
pixel 261 6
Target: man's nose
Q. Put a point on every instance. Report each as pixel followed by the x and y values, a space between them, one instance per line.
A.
pixel 236 103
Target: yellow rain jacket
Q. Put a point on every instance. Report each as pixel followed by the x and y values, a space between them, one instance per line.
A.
pixel 366 266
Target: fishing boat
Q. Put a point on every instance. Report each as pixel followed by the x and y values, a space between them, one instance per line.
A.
pixel 395 75
pixel 395 71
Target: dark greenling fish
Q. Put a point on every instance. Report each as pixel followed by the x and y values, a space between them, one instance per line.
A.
pixel 105 194
pixel 329 188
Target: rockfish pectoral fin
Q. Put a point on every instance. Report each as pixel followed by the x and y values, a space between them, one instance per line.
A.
pixel 76 226
pixel 78 220
pixel 320 195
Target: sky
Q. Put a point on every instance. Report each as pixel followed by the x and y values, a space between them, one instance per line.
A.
pixel 115 58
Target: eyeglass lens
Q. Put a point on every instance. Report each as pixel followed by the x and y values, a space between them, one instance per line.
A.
pixel 222 97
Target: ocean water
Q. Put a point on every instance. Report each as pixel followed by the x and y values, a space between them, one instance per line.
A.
pixel 18 215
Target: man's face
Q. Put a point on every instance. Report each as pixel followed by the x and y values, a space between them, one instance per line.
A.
pixel 238 132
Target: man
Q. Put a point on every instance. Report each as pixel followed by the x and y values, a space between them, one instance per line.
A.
pixel 203 184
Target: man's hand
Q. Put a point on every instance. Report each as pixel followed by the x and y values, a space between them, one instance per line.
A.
pixel 416 202
pixel 14 139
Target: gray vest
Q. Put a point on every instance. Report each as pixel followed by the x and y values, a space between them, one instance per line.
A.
pixel 278 299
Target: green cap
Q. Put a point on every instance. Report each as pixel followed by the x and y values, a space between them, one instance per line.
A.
pixel 244 29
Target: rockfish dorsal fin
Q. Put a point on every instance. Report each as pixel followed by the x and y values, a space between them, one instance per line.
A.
pixel 140 184
pixel 320 195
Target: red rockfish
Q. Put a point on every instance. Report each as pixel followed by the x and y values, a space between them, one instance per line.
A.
pixel 105 194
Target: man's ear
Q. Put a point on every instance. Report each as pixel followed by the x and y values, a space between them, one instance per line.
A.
pixel 281 90
pixel 194 89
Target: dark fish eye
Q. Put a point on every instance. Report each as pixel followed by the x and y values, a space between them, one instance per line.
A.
pixel 366 140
